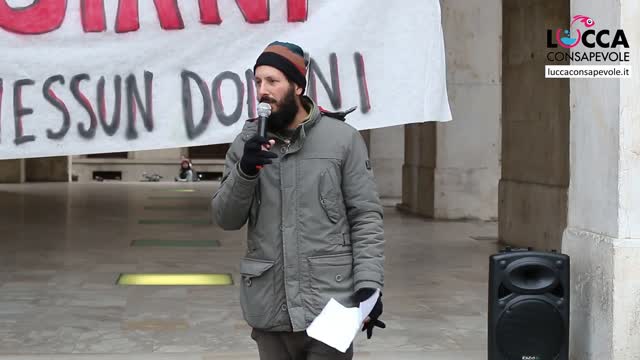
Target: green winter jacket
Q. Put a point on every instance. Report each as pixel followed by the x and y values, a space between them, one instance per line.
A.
pixel 314 221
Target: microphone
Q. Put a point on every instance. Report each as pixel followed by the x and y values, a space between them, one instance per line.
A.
pixel 264 111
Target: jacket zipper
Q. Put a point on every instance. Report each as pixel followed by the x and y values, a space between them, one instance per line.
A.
pixel 284 247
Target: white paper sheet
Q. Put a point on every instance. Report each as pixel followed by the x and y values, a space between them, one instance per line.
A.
pixel 337 325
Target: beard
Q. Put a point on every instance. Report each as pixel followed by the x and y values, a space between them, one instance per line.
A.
pixel 287 110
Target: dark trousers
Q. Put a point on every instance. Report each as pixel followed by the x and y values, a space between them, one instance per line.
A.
pixel 295 346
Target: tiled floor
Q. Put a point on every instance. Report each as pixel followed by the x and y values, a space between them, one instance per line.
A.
pixel 62 247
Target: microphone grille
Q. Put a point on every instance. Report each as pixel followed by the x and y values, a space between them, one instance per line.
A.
pixel 264 109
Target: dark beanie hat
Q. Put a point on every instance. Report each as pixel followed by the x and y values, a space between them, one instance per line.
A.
pixel 286 57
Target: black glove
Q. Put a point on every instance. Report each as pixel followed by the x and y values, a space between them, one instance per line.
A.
pixel 362 295
pixel 254 157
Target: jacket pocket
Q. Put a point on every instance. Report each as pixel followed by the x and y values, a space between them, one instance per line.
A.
pixel 255 206
pixel 331 276
pixel 346 239
pixel 256 290
pixel 329 198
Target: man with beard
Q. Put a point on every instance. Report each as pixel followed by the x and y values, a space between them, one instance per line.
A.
pixel 308 196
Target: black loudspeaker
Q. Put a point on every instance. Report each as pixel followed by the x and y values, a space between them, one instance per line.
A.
pixel 528 305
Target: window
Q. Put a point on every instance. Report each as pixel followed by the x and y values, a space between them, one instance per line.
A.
pixel 115 155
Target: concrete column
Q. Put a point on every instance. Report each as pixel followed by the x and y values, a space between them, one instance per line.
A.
pixel 418 169
pixel 535 129
pixel 12 171
pixel 468 148
pixel 162 154
pixel 47 169
pixel 387 156
pixel 603 233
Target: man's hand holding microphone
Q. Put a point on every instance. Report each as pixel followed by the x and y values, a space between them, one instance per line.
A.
pixel 256 149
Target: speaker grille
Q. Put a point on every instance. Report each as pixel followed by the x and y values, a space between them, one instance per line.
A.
pixel 530 327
